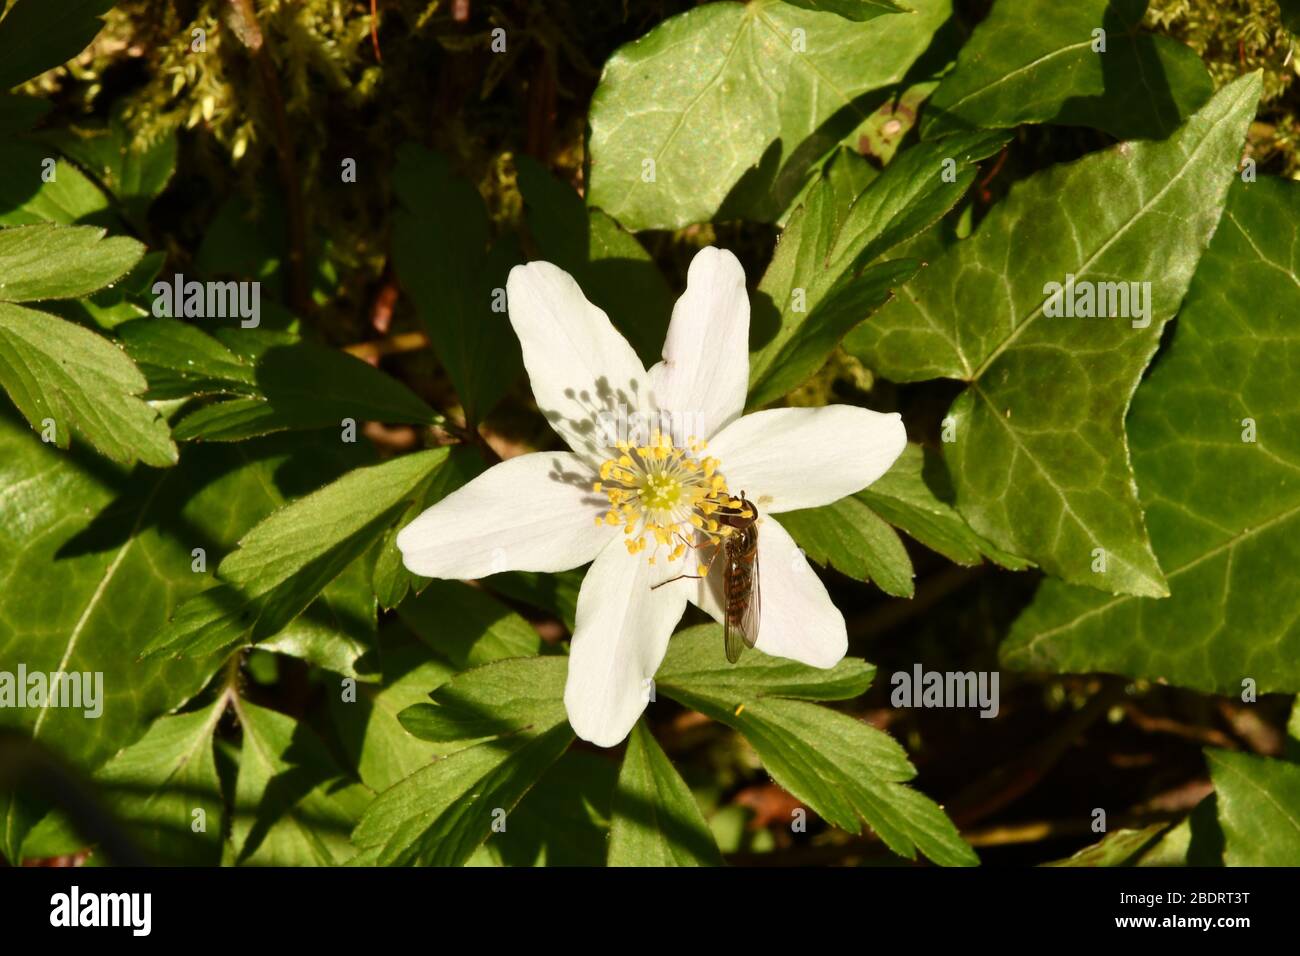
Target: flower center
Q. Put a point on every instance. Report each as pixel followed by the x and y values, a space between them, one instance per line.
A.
pixel 663 495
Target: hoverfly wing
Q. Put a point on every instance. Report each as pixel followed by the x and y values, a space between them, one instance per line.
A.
pixel 741 594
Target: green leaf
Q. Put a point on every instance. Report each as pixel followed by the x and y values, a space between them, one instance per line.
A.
pixel 291 556
pixel 846 770
pixel 163 785
pixel 1258 801
pixel 853 539
pixel 298 386
pixel 67 379
pixel 818 285
pixel 564 819
pixel 292 805
pixel 1118 848
pixel 915 495
pixel 440 814
pixel 733 106
pixel 495 699
pixel 1040 459
pixel 95 558
pixel 47 261
pixel 392 580
pixel 377 746
pixel 37 35
pixel 1224 512
pixel 613 269
pixel 468 626
pixel 339 628
pixel 1033 61
pixel 182 361
pixel 69 197
pixel 857 10
pixel 20 113
pixel 656 821
pixel 440 251
pixel 132 174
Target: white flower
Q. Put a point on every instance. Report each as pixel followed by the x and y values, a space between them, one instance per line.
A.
pixel 639 505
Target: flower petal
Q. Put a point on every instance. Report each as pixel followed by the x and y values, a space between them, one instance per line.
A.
pixel 581 368
pixel 531 513
pixel 704 376
pixel 797 619
pixel 621 636
pixel 785 459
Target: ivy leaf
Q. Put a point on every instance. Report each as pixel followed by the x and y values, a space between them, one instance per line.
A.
pixel 1040 460
pixel 846 770
pixel 818 286
pixel 291 556
pixel 47 261
pixel 733 106
pixel 1036 61
pixel 612 267
pixel 1258 802
pixel 656 819
pixel 292 805
pixel 165 783
pixel 1215 413
pixel 36 35
pixel 440 814
pixel 95 558
pixel 440 251
pixel 854 540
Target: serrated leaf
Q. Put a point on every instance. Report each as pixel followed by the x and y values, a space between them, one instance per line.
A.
pixel 1258 802
pixel 182 361
pixel 564 819
pixel 733 106
pixel 846 770
pixel 818 285
pixel 1223 511
pixel 1118 848
pixel 1037 61
pixel 854 540
pixel 656 821
pixel 496 699
pixel 441 813
pixel 1040 460
pixel 915 495
pixel 164 783
pixel 48 261
pixel 290 557
pixel 300 386
pixel 377 746
pixel 292 806
pixel 68 379
pixel 442 255
pixel 467 625
pixel 32 190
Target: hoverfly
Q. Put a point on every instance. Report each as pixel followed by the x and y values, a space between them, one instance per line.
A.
pixel 740 593
pixel 741 596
